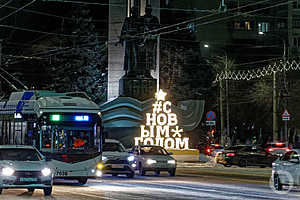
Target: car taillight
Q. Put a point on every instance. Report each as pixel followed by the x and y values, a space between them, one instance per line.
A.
pixel 279 144
pixel 287 149
pixel 230 154
pixel 208 150
pixel 270 150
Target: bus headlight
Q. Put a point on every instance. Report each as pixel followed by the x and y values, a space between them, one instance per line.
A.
pixel 46 172
pixel 150 161
pixel 8 171
pixel 173 162
pixel 130 158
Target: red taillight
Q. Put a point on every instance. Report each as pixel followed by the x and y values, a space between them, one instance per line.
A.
pixel 230 154
pixel 279 144
pixel 217 145
pixel 64 156
pixel 208 150
pixel 270 150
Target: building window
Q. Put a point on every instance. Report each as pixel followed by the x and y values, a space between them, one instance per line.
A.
pixel 281 25
pixel 296 4
pixel 296 23
pixel 263 27
pixel 237 25
pixel 296 42
pixel 248 25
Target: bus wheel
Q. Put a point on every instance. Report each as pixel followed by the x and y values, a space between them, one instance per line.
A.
pixel 47 191
pixel 82 181
pixel 30 189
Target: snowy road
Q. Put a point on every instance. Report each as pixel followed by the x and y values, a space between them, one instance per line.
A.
pixel 183 186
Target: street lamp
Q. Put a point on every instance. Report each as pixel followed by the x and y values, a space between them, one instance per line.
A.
pixel 275 117
pixel 221 100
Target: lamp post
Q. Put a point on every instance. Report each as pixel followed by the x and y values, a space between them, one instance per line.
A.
pixel 275 96
pixel 221 101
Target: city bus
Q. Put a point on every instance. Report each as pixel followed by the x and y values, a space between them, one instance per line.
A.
pixel 65 127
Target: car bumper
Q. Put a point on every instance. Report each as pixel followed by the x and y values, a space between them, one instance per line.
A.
pixel 157 167
pixel 31 182
pixel 117 169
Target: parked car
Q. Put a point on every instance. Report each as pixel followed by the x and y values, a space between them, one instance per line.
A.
pixel 153 158
pixel 24 167
pixel 286 170
pixel 116 160
pixel 213 149
pixel 277 148
pixel 222 156
pixel 247 156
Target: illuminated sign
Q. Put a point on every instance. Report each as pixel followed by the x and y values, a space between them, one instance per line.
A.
pixel 55 117
pixel 18 116
pixel 161 126
pixel 82 118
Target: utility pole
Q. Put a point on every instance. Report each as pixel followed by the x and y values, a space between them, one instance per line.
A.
pixel 221 111
pixel 227 99
pixel 275 120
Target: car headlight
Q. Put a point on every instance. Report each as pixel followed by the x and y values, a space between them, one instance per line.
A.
pixel 172 162
pixel 100 166
pixel 130 158
pixel 8 171
pixel 150 161
pixel 46 171
pixel 104 158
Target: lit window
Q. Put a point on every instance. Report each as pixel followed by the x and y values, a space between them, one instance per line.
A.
pixel 248 25
pixel 237 25
pixel 263 27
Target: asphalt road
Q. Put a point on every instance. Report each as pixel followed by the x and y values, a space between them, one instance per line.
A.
pixel 186 185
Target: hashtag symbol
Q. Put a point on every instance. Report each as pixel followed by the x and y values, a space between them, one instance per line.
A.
pixel 157 107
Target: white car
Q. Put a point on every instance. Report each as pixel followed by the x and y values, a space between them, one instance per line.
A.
pixel 116 160
pixel 24 167
pixel 286 169
pixel 153 158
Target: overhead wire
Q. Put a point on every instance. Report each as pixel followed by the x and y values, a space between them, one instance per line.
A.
pixel 1 6
pixel 225 18
pixel 12 13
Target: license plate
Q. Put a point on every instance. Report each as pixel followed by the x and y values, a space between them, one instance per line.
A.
pixel 61 173
pixel 117 166
pixel 26 179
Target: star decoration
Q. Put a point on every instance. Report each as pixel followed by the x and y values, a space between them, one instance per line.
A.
pixel 177 132
pixel 161 95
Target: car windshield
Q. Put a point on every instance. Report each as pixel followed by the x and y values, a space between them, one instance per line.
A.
pixel 113 146
pixel 149 150
pixel 217 146
pixel 19 154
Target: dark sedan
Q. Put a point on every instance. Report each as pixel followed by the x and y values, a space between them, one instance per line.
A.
pixel 246 156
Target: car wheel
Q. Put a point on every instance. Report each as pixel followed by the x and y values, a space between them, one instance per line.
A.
pixel 172 172
pixel 243 163
pixel 1 190
pixel 30 189
pixel 114 174
pixel 142 172
pixel 157 173
pixel 227 165
pixel 131 175
pixel 82 181
pixel 277 183
pixel 47 191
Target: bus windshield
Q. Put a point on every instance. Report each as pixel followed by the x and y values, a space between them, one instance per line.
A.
pixel 68 140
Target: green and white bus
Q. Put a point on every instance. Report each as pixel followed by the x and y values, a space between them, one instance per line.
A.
pixel 65 127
